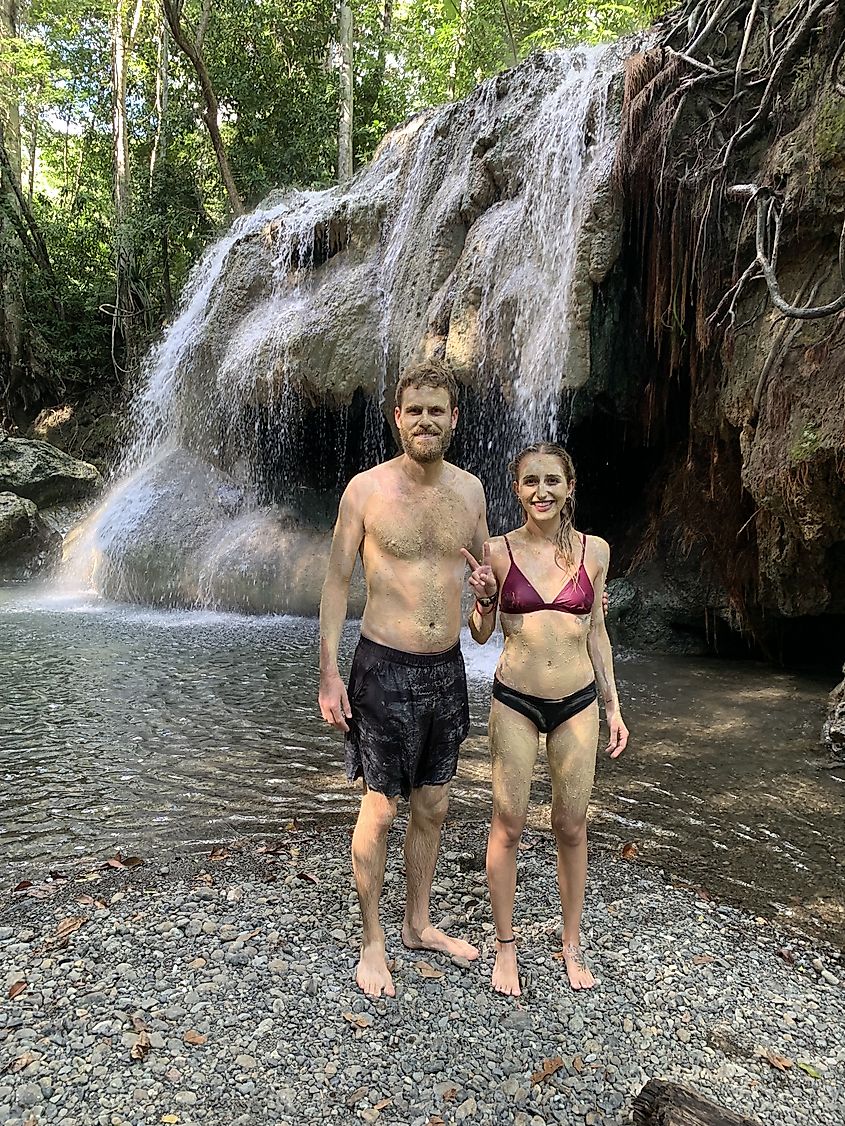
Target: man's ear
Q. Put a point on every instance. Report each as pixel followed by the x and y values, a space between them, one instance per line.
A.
pixel 454 418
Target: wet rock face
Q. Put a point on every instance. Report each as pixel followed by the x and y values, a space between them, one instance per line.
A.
pixel 43 474
pixel 26 541
pixel 833 731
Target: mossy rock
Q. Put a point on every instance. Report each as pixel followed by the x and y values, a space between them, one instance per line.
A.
pixel 24 537
pixel 43 474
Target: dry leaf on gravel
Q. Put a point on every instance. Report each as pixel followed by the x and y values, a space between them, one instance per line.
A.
pixel 449 1094
pixel 358 1019
pixel 197 964
pixel 782 1063
pixel 138 1024
pixel 703 893
pixel 140 1049
pixel 307 876
pixel 22 886
pixel 17 988
pixel 170 1119
pixel 218 853
pixel 383 1103
pixel 809 1069
pixel 702 959
pixel 629 851
pixel 193 1037
pixel 22 1061
pixel 578 1064
pixel 435 1120
pixel 356 1096
pixel 547 1068
pixel 428 971
pixel 65 929
pixel 787 955
pixel 122 862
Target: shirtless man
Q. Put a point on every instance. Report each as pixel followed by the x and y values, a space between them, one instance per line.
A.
pixel 406 712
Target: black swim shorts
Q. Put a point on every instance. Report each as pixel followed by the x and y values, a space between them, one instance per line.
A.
pixel 410 714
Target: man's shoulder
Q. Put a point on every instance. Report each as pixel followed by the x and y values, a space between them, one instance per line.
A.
pixel 467 482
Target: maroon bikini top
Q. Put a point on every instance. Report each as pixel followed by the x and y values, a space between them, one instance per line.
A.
pixel 520 597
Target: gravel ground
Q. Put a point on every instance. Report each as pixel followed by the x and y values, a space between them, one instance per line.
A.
pixel 221 992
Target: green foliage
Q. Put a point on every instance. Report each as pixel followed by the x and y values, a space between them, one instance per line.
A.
pixel 273 66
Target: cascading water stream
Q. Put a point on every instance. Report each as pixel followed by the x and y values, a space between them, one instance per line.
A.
pixel 468 235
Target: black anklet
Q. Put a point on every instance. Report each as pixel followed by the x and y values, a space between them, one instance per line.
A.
pixel 505 941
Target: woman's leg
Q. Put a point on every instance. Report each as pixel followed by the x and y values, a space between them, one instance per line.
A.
pixel 514 742
pixel 572 765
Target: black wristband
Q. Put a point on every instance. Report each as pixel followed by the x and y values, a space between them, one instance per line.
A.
pixel 488 599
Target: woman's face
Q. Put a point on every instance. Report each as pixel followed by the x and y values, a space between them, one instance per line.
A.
pixel 542 487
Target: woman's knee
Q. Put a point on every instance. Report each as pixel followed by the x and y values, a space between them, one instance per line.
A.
pixel 570 829
pixel 506 829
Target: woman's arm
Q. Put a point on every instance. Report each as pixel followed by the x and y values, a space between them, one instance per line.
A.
pixel 601 655
pixel 483 584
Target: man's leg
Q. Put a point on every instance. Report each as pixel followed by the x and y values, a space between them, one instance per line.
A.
pixel 572 764
pixel 514 743
pixel 369 852
pixel 422 844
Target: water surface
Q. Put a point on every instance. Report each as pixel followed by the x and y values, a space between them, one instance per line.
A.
pixel 156 731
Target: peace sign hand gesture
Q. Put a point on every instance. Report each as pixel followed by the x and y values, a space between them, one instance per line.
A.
pixel 482 581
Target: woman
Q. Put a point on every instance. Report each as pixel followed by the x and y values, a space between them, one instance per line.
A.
pixel 548 581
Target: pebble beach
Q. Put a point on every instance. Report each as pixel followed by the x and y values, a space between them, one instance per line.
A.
pixel 219 990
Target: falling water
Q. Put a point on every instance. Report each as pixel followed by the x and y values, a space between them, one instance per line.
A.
pixel 468 233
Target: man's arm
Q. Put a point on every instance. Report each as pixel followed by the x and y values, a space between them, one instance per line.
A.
pixel 348 533
pixel 482 581
pixel 601 655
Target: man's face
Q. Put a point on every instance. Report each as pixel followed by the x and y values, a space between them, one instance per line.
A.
pixel 425 422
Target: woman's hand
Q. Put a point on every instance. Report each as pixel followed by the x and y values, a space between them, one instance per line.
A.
pixel 482 581
pixel 618 740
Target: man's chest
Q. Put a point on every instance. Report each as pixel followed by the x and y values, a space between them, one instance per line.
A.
pixel 412 527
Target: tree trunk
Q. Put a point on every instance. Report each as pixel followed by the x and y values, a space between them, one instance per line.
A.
pixel 193 52
pixel 460 42
pixel 162 94
pixel 124 311
pixel 344 138
pixel 11 330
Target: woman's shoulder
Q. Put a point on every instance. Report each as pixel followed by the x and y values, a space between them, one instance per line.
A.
pixel 596 546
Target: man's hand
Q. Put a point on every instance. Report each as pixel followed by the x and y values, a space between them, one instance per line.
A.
pixel 618 740
pixel 334 702
pixel 482 581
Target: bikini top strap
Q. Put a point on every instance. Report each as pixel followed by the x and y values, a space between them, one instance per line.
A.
pixel 583 547
pixel 508 546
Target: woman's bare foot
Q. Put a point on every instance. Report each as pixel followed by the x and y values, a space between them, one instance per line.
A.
pixel 372 975
pixel 430 938
pixel 577 970
pixel 505 970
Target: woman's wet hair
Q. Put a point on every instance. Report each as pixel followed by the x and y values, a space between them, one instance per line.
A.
pixel 563 539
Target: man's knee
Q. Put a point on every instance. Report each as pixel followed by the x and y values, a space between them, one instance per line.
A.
pixel 430 804
pixel 506 828
pixel 378 812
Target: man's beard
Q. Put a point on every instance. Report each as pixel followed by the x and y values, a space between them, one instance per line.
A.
pixel 424 452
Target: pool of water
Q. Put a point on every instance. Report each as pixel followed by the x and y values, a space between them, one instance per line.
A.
pixel 154 732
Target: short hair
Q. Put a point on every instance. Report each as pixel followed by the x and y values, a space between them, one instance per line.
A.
pixel 430 373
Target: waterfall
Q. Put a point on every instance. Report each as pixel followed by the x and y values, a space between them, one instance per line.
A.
pixel 476 232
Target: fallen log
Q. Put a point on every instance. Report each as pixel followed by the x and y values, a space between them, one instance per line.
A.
pixel 666 1104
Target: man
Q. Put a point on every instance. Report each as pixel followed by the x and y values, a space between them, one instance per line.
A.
pixel 406 712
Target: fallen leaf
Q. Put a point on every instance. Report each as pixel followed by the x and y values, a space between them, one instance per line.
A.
pixel 273 848
pixel 782 1063
pixel 358 1019
pixel 65 929
pixel 132 862
pixel 22 886
pixel 17 988
pixel 809 1069
pixel 547 1068
pixel 197 964
pixel 20 1063
pixel 787 955
pixel 629 851
pixel 435 1120
pixel 578 1064
pixel 292 826
pixel 194 1037
pixel 138 1024
pixel 308 877
pixel 702 959
pixel 384 1102
pixel 356 1096
pixel 295 851
pixel 140 1049
pixel 428 971
pixel 57 876
pixel 115 861
pixel 218 853
pixel 170 1119
pixel 204 878
pixel 703 893
pixel 450 1094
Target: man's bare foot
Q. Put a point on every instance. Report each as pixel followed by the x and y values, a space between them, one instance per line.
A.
pixel 577 970
pixel 373 976
pixel 505 971
pixel 430 938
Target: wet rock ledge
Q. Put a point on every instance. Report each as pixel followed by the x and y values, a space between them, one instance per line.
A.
pixel 220 991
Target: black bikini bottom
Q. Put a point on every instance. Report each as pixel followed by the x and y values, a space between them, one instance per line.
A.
pixel 546 715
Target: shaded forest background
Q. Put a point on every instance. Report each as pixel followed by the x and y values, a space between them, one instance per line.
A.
pixel 131 131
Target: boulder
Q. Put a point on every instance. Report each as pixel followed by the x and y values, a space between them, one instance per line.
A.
pixel 26 542
pixel 833 732
pixel 43 474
